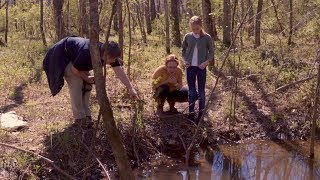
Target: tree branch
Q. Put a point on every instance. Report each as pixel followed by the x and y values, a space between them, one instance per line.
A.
pixel 50 162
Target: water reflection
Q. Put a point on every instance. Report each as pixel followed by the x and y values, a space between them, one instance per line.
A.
pixel 257 160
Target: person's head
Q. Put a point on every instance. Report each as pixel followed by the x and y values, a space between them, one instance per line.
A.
pixel 110 51
pixel 195 24
pixel 171 63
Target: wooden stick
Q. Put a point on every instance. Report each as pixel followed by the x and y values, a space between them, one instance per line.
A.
pixel 287 86
pixel 49 161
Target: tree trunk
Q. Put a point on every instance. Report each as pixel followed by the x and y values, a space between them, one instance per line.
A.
pixel 120 32
pixel 226 23
pixel 83 22
pixel 167 26
pixel 242 18
pixel 113 135
pixel 153 13
pixel 130 38
pixel 290 22
pixel 142 30
pixel 176 25
pixel 257 38
pixel 68 17
pixel 251 19
pixel 7 24
pixel 158 4
pixel 116 22
pixel 315 109
pixel 147 16
pixel 41 25
pixel 57 11
pixel 208 24
pixel 277 17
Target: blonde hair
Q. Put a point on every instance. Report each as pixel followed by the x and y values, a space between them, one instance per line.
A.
pixel 171 58
pixel 196 20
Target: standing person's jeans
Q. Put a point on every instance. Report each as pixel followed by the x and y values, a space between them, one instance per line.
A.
pixel 195 73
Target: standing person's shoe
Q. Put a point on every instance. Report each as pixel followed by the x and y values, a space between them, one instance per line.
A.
pixel 199 117
pixel 191 116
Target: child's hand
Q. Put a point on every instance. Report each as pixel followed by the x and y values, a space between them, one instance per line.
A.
pixel 172 80
pixel 204 64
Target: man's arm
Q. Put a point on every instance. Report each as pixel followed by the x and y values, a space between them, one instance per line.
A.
pixel 83 75
pixel 124 79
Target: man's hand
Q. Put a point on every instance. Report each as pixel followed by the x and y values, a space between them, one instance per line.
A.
pixel 133 93
pixel 204 64
pixel 90 80
pixel 186 64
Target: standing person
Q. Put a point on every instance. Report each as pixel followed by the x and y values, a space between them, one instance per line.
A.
pixel 70 59
pixel 197 51
pixel 167 85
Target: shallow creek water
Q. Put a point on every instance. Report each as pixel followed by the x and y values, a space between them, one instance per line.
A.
pixel 252 160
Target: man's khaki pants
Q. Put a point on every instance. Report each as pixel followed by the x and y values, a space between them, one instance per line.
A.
pixel 79 94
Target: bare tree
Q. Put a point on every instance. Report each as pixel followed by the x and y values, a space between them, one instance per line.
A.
pixel 275 7
pixel 130 38
pixel 251 18
pixel 290 22
pixel 120 32
pixel 141 26
pixel 153 13
pixel 167 26
pixel 41 25
pixel 115 22
pixel 257 38
pixel 83 22
pixel 7 23
pixel 208 23
pixel 226 23
pixel 176 25
pixel 315 109
pixel 147 16
pixel 113 135
pixel 57 11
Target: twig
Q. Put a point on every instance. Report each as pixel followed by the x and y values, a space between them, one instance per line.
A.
pixel 50 162
pixel 104 169
pixel 184 145
pixel 84 169
pixel 287 86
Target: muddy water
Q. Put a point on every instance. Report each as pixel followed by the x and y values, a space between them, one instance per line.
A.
pixel 252 160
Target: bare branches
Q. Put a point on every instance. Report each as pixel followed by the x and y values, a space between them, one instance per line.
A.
pixel 50 162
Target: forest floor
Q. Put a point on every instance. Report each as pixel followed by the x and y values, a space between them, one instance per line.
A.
pixel 51 132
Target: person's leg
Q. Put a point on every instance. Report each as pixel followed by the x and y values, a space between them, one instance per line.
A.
pixel 86 91
pixel 191 80
pixel 201 77
pixel 160 96
pixel 180 95
pixel 75 85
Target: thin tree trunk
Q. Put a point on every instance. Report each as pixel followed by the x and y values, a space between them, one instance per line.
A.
pixel 57 11
pixel 226 23
pixel 257 41
pixel 243 12
pixel 113 11
pixel 208 24
pixel 68 17
pixel 166 14
pixel 158 4
pixel 7 24
pixel 115 22
pixel 153 13
pixel 113 135
pixel 176 25
pixel 130 38
pixel 251 19
pixel 290 22
pixel 277 17
pixel 147 16
pixel 41 25
pixel 83 18
pixel 315 110
pixel 142 30
pixel 120 32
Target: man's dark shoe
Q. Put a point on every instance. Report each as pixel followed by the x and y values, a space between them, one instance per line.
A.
pixel 84 123
pixel 173 111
